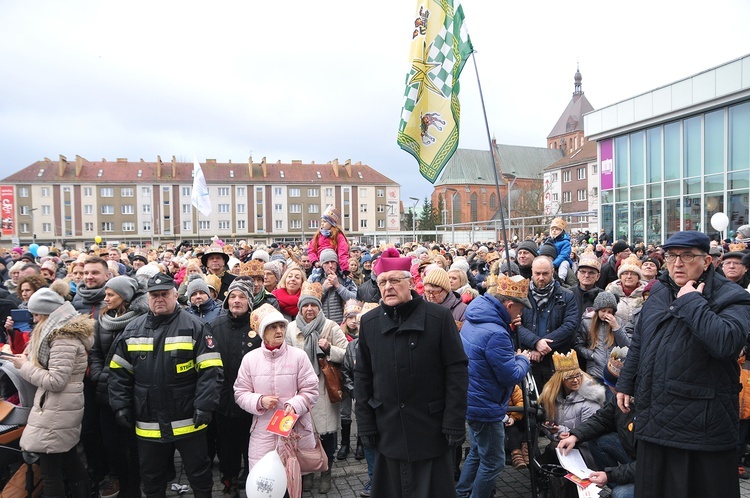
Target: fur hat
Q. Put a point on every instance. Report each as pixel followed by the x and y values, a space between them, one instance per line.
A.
pixel 275 268
pixel 438 277
pixel 310 293
pixel 124 286
pixel 45 301
pixel 605 300
pixel 565 362
pixel 614 365
pixel 328 255
pixel 197 284
pixel 261 255
pixel 559 223
pixel 265 316
pixel 632 263
pixel 332 216
pixel 391 260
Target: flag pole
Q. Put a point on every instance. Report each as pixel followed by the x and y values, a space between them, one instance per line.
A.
pixel 528 410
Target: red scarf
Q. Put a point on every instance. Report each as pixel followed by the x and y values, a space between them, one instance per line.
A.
pixel 287 302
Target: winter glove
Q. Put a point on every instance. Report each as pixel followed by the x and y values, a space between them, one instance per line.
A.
pixel 201 418
pixel 454 440
pixel 124 418
pixel 369 441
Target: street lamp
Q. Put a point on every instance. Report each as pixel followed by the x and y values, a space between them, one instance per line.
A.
pixel 303 223
pixel 512 177
pixel 453 227
pixel 33 234
pixel 414 218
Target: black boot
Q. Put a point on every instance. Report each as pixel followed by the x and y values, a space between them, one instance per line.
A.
pixel 359 453
pixel 80 489
pixel 346 431
pixel 202 493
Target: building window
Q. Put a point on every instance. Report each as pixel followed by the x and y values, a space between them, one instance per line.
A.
pixel 381 223
pixel 240 191
pixel 493 202
pixel 187 226
pixel 25 210
pixel 88 226
pixel 363 223
pixel 313 223
pixel 126 192
pixel 187 191
pixel 223 191
pixel 380 192
pixel 566 176
pixel 240 209
pixel 594 169
pixel 313 192
pixel 45 209
pixel 581 194
pixel 145 191
pixel 46 227
pixel 107 192
pixel 381 208
pixel 555 197
pixel 595 191
pixel 45 191
pixel 108 209
pixel 204 225
pixel 223 208
pixel 363 208
pixel 240 224
pixel 329 192
pixel 146 209
pixel 295 224
pixel 474 202
pixel 186 208
pixel 223 224
pixel 128 226
pixel 128 209
pixel 554 177
pixel 294 192
pixel 295 208
pixel 146 226
pixel 108 226
pixel 278 224
pixel 566 197
pixel 362 192
pixel 278 208
pixel 88 209
pixel 23 192
pixel 582 173
pixel 277 191
pixel 313 208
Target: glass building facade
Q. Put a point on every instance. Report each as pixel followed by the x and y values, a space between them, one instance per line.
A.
pixel 673 157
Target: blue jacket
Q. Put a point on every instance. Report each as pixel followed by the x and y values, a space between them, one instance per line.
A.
pixel 562 244
pixel 682 365
pixel 494 368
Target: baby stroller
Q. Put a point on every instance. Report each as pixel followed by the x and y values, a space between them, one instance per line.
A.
pixel 13 418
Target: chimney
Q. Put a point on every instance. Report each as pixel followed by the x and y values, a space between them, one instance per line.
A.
pixel 174 167
pixel 335 165
pixel 348 167
pixel 264 167
pixel 158 167
pixel 122 159
pixel 61 165
pixel 250 166
pixel 79 165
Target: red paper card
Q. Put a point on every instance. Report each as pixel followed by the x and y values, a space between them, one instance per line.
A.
pixel 281 423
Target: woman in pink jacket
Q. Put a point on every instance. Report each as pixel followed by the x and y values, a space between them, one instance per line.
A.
pixel 275 377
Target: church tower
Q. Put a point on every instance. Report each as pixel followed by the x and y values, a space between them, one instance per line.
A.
pixel 567 133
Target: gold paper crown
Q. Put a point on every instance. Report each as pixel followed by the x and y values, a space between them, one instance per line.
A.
pixel 312 289
pixel 565 362
pixel 515 286
pixel 213 281
pixel 617 360
pixel 738 247
pixel 588 258
pixel 368 307
pixel 257 316
pixel 252 268
pixel 491 256
pixel 352 306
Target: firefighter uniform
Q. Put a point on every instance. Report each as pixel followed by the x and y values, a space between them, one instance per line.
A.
pixel 166 371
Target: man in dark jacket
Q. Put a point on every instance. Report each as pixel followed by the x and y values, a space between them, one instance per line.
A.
pixel 682 369
pixel 410 382
pixel 586 290
pixel 165 379
pixel 550 325
pixel 494 369
pixel 620 251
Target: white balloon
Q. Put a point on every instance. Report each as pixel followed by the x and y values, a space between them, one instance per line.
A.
pixel 720 221
pixel 267 479
pixel 42 251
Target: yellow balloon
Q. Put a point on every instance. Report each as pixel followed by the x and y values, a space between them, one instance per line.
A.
pixel 98 239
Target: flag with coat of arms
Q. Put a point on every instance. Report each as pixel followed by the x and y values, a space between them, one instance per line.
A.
pixel 428 129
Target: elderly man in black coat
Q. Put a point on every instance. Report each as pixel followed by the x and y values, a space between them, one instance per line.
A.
pixel 410 382
pixel 682 369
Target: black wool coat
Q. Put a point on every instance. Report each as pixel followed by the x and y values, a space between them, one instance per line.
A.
pixel 410 379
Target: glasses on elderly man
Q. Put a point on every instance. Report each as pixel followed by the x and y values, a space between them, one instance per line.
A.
pixel 685 257
pixel 393 281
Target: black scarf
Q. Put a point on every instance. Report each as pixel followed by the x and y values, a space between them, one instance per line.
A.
pixel 542 296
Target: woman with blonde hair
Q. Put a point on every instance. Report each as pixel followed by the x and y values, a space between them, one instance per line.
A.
pixel 288 290
pixel 460 283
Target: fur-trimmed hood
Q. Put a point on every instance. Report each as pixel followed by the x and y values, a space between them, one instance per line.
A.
pixel 80 327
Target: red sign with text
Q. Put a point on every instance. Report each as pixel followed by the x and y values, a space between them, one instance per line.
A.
pixel 7 204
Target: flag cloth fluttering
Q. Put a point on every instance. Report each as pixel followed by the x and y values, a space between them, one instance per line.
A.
pixel 199 197
pixel 428 129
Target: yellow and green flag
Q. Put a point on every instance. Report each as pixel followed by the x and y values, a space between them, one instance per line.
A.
pixel 429 119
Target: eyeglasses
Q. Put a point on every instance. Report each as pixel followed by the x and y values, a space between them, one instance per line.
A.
pixel 685 257
pixel 577 376
pixel 588 273
pixel 433 292
pixel 394 281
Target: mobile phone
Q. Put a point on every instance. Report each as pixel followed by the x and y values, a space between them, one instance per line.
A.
pixel 3 353
pixel 21 316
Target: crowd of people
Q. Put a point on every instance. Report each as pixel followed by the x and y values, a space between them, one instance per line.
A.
pixel 138 352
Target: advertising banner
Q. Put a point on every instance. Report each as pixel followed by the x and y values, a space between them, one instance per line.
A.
pixel 606 155
pixel 7 201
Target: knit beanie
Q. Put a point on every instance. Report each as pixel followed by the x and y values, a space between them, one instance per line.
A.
pixel 45 301
pixel 332 216
pixel 438 277
pixel 197 284
pixel 528 245
pixel 327 255
pixel 242 284
pixel 275 267
pixel 605 300
pixel 124 286
pixel 262 255
pixel 548 249
pixel 620 246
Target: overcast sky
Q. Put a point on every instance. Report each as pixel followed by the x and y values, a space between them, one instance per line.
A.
pixel 321 80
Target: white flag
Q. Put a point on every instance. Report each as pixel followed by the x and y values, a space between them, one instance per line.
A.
pixel 200 198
